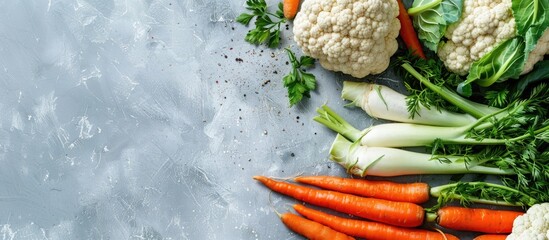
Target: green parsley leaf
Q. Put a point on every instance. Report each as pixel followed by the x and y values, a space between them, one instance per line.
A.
pixel 267 24
pixel 298 82
pixel 306 61
pixel 244 18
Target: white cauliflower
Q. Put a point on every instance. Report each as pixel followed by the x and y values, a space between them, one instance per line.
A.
pixel 356 37
pixel 534 225
pixel 483 25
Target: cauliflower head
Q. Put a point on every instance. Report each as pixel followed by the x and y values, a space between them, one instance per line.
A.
pixel 356 37
pixel 483 25
pixel 534 225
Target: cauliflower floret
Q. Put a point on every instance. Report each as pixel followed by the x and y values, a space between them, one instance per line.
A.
pixel 356 37
pixel 483 25
pixel 534 225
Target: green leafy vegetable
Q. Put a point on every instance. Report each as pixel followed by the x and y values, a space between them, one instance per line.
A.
pixel 267 24
pixel 299 82
pixel 532 19
pixel 505 61
pixel 431 18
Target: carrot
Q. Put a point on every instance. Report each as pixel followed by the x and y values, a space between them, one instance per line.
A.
pixel 402 214
pixel 407 31
pixel 491 237
pixel 310 229
pixel 401 192
pixel 290 8
pixel 476 219
pixel 369 230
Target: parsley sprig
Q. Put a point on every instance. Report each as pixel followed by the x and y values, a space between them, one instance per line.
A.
pixel 267 24
pixel 298 82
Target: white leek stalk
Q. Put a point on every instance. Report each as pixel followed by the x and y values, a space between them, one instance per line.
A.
pixel 386 162
pixel 402 134
pixel 382 102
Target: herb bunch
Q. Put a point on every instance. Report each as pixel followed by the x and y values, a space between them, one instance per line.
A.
pixel 267 24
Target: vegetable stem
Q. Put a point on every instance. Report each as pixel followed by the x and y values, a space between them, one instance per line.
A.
pixel 475 109
pixel 332 120
pixel 417 10
pixel 430 217
pixel 406 134
pixel 382 102
pixel 385 162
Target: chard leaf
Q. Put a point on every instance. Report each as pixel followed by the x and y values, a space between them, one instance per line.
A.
pixel 504 61
pixel 532 19
pixel 432 17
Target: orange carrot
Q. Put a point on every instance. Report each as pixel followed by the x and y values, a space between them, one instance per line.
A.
pixel 402 214
pixel 290 8
pixel 401 192
pixel 310 229
pixel 370 230
pixel 476 219
pixel 491 237
pixel 407 31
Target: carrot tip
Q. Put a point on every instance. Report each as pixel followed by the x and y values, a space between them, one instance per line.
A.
pixel 260 178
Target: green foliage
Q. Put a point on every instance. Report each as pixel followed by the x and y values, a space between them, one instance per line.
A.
pixel 540 73
pixel 516 138
pixel 419 95
pixel 299 82
pixel 267 25
pixel 432 17
pixel 532 18
pixel 505 61
pixel 480 192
